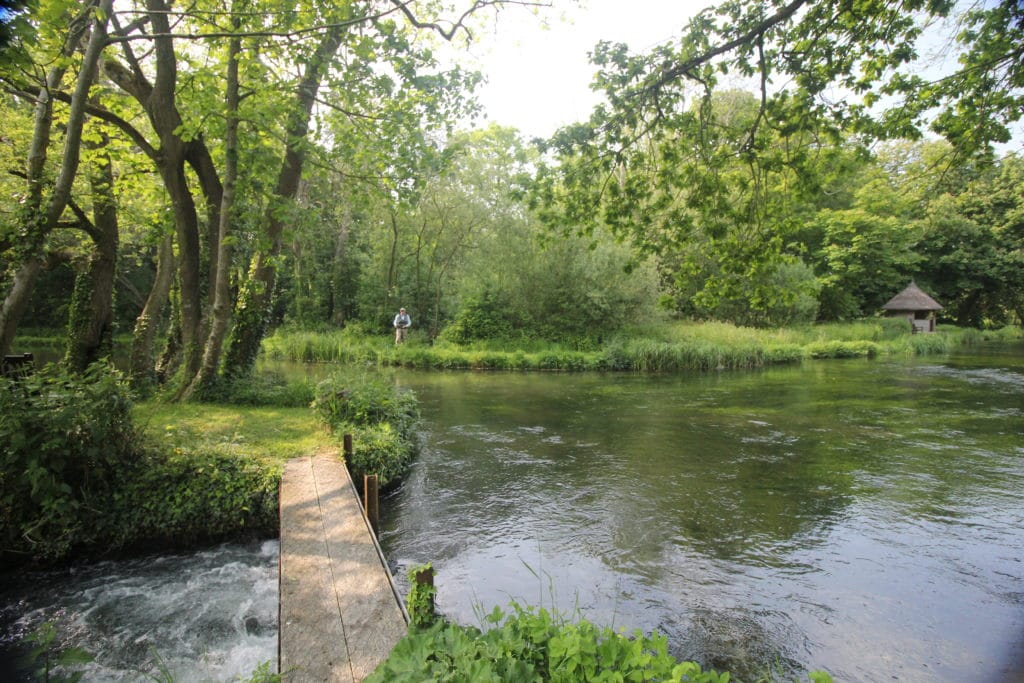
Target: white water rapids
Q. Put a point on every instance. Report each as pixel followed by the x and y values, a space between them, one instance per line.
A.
pixel 204 616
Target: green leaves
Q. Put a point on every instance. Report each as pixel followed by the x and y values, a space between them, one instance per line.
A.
pixel 64 440
pixel 381 418
pixel 46 655
pixel 533 644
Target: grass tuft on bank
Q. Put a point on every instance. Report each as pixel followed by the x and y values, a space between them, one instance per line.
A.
pixel 381 418
pixel 655 348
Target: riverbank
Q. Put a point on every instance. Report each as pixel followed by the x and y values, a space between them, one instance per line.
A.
pixel 663 348
pixel 88 474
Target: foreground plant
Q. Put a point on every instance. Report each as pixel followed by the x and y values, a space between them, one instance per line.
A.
pixel 531 644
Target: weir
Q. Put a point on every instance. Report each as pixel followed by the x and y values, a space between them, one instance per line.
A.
pixel 339 615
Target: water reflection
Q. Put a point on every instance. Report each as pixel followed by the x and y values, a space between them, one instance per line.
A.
pixel 864 517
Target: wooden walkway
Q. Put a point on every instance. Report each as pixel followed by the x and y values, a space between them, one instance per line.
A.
pixel 339 613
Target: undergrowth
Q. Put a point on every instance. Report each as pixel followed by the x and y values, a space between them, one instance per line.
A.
pixel 78 479
pixel 533 644
pixel 381 418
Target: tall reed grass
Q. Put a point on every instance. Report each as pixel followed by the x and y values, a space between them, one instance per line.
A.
pixel 665 347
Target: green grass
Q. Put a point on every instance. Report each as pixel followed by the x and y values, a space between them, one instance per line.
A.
pixel 267 433
pixel 662 347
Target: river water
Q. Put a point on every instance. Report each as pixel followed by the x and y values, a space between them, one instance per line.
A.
pixel 863 517
pixel 204 616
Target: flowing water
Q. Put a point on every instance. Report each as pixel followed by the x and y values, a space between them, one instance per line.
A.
pixel 204 616
pixel 863 517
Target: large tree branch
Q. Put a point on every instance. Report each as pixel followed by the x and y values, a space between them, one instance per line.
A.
pixel 671 74
pixel 96 112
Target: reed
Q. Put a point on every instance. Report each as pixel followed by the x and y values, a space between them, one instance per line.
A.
pixel 657 347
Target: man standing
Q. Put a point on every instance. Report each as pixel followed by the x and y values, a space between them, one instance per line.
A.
pixel 402 323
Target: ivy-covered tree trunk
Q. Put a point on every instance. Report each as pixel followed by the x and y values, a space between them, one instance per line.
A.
pixel 142 370
pixel 91 320
pixel 256 298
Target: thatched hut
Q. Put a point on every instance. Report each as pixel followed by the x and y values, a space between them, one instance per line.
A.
pixel 916 306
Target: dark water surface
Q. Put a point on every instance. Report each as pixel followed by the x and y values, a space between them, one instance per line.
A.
pixel 862 517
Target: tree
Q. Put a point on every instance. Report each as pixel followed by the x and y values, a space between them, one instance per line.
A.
pixel 248 136
pixel 973 247
pixel 669 159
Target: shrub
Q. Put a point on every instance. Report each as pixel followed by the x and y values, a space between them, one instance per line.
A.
pixel 65 439
pixel 76 477
pixel 484 316
pixel 186 498
pixel 381 419
pixel 536 645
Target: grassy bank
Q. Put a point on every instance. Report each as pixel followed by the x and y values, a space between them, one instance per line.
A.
pixel 663 348
pixel 84 473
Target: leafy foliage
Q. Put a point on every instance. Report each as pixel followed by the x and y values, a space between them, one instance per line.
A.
pixel 76 477
pixel 531 644
pixel 66 441
pixel 381 418
pixel 420 600
pixel 188 498
pixel 48 660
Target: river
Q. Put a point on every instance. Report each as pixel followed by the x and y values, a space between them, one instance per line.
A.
pixel 864 517
pixel 209 615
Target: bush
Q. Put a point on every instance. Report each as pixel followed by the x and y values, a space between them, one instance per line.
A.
pixel 381 419
pixel 484 316
pixel 534 645
pixel 189 498
pixel 76 477
pixel 66 440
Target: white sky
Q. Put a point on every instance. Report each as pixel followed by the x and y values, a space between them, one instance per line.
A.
pixel 538 76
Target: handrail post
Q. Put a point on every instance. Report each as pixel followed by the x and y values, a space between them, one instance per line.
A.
pixel 347 440
pixel 371 502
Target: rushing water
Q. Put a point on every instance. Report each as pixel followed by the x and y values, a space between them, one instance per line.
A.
pixel 205 616
pixel 863 517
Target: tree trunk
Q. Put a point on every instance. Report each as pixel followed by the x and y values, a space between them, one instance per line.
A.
pixel 391 284
pixel 32 214
pixel 338 269
pixel 17 300
pixel 256 298
pixel 146 325
pixel 91 321
pixel 222 284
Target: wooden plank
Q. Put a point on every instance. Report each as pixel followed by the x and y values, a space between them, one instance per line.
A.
pixel 339 614
pixel 311 637
pixel 373 619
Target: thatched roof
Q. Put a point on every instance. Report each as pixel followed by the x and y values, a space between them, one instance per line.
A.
pixel 912 299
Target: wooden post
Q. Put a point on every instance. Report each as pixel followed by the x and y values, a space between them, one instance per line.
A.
pixel 348 448
pixel 425 577
pixel 371 503
pixel 421 599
